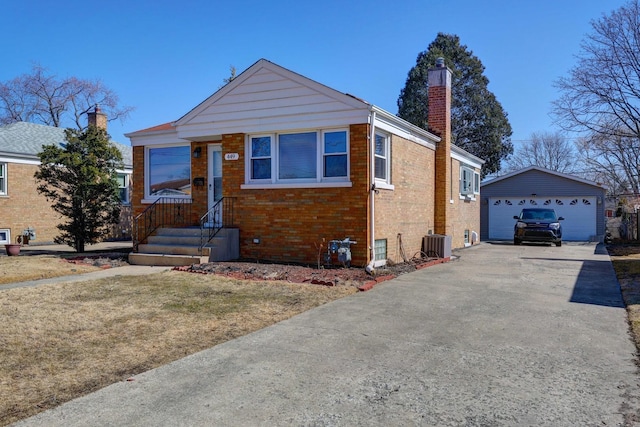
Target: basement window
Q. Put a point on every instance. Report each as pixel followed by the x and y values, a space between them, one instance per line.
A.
pixel 380 252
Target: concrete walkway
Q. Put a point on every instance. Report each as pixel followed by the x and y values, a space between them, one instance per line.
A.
pixel 531 335
pixel 119 246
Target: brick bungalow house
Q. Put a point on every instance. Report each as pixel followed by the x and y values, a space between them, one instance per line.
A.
pixel 292 164
pixel 22 209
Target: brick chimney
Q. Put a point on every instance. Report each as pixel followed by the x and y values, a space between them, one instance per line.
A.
pixel 97 118
pixel 439 121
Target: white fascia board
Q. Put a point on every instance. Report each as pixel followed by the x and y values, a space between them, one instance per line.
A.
pixel 397 126
pixel 466 157
pixel 156 138
pixel 19 160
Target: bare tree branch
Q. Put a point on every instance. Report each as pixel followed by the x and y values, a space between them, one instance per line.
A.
pixel 43 98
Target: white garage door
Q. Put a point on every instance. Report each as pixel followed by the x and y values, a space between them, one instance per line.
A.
pixel 579 215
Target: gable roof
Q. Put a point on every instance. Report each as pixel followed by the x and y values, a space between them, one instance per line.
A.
pixel 280 98
pixel 269 98
pixel 23 140
pixel 544 170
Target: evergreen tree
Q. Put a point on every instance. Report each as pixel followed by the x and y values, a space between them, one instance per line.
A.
pixel 479 125
pixel 80 179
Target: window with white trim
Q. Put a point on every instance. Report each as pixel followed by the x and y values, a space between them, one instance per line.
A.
pixel 300 157
pixel 3 179
pixel 382 158
pixel 168 171
pixel 334 152
pixel 5 236
pixel 469 181
pixel 123 186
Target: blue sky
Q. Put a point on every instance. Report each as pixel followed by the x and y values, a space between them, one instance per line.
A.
pixel 165 57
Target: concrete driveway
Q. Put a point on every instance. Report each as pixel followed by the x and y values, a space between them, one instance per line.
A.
pixel 532 335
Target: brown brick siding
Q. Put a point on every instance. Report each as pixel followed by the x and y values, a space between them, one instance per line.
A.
pixel 24 207
pixel 440 123
pixel 408 210
pixel 465 215
pixel 292 223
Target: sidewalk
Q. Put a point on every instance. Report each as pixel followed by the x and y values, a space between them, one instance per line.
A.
pixel 117 246
pixel 103 247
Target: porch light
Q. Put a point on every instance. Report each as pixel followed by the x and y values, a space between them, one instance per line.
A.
pixel 197 152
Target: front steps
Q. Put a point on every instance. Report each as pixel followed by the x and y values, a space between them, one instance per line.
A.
pixel 181 246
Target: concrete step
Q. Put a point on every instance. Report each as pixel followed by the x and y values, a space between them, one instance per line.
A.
pixel 169 249
pixel 182 231
pixel 167 239
pixel 138 258
pixel 181 246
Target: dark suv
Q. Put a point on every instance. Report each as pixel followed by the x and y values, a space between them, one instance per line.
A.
pixel 538 225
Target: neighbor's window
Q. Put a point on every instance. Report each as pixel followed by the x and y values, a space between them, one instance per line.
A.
pixel 5 236
pixel 123 185
pixel 301 157
pixel 3 179
pixel 469 181
pixel 168 172
pixel 382 157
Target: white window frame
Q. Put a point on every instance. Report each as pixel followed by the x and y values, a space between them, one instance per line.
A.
pixel 469 184
pixel 5 236
pixel 342 153
pixel 3 179
pixel 386 182
pixel 274 182
pixel 250 157
pixel 148 198
pixel 127 200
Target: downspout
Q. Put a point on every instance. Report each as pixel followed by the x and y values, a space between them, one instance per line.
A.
pixel 372 191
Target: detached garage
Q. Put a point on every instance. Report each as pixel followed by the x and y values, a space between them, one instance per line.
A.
pixel 579 201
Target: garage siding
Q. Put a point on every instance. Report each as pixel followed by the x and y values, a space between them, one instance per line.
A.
pixel 540 184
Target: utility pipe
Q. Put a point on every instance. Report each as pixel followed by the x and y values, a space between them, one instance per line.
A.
pixel 372 191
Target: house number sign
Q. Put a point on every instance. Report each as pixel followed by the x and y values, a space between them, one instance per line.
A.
pixel 231 156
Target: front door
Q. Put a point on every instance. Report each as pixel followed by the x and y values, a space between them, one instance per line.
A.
pixel 214 153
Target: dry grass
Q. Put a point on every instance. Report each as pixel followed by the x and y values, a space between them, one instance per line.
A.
pixel 626 263
pixel 65 340
pixel 23 268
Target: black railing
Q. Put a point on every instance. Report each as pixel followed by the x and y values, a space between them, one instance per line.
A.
pixel 164 212
pixel 219 216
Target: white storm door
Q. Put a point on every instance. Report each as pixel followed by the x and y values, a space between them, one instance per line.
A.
pixel 214 190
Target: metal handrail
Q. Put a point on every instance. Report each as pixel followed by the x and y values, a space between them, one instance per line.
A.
pixel 220 215
pixel 165 211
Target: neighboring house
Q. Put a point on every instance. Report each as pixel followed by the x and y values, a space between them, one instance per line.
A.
pixel 579 201
pixel 22 208
pixel 305 164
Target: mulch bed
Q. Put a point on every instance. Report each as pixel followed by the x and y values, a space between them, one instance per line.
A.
pixel 351 276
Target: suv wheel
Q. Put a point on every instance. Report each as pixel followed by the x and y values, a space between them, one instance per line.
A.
pixel 516 241
pixel 559 243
